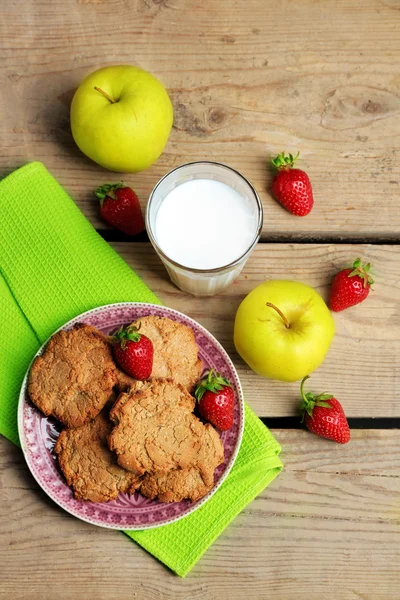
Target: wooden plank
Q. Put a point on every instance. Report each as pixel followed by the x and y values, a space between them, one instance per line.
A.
pixel 247 79
pixel 328 527
pixel 362 366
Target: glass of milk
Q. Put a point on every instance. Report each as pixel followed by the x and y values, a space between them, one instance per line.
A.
pixel 204 219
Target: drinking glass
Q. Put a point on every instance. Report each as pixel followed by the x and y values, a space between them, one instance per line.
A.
pixel 203 282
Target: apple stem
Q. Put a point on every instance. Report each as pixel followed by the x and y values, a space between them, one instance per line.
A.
pixel 105 95
pixel 280 313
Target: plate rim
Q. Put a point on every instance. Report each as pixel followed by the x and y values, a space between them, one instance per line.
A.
pixel 197 504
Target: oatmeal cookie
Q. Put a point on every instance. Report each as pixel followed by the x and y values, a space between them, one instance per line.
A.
pixel 89 467
pixel 156 431
pixel 175 350
pixel 175 486
pixel 74 377
pixel 192 483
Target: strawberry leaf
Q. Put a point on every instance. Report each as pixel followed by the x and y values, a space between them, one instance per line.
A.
pixel 324 396
pixel 283 161
pixel 310 409
pixel 214 382
pixel 310 401
pixel 199 392
pixel 107 190
pixel 125 334
pixel 307 408
pixel 362 271
pixel 323 404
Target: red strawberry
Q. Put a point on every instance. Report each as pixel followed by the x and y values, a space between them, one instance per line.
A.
pixel 350 286
pixel 216 400
pixel 134 352
pixel 119 207
pixel 324 416
pixel 292 187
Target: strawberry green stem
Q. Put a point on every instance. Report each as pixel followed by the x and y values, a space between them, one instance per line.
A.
pixel 309 401
pixel 362 270
pixel 280 313
pixel 107 190
pixel 214 382
pixel 283 161
pixel 302 388
pixel 109 98
pixel 125 334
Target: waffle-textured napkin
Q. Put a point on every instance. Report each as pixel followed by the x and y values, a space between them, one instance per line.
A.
pixel 54 266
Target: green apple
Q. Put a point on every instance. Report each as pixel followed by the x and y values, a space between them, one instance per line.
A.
pixel 121 117
pixel 283 330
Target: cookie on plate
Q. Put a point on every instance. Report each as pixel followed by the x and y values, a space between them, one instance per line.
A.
pixel 74 377
pixel 192 483
pixel 177 485
pixel 175 350
pixel 156 431
pixel 89 467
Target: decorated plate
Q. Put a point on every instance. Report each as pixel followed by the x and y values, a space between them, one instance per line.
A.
pixel 38 434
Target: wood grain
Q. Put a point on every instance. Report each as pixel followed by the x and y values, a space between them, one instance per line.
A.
pixel 247 79
pixel 328 526
pixel 362 365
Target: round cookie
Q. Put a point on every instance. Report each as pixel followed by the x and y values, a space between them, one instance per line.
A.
pixel 74 377
pixel 191 483
pixel 156 432
pixel 175 486
pixel 175 350
pixel 88 465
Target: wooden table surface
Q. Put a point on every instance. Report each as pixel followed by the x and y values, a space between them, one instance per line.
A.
pixel 248 78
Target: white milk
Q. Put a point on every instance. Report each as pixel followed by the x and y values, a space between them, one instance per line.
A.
pixel 201 217
pixel 205 224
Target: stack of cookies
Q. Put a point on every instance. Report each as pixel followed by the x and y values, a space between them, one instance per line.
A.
pixel 123 435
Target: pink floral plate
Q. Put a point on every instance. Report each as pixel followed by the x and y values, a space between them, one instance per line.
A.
pixel 38 433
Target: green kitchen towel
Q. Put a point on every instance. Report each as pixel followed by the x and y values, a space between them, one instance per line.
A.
pixel 54 266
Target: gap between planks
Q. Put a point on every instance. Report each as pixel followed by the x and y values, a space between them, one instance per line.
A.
pixel 354 423
pixel 294 238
